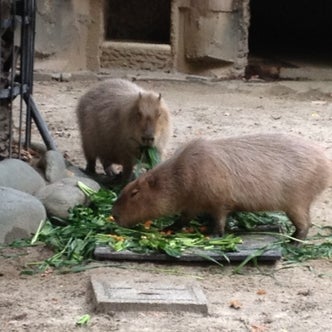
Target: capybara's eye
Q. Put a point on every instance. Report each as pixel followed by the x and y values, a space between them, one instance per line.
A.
pixel 139 114
pixel 133 192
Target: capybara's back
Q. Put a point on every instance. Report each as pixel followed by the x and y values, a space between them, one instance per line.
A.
pixel 116 119
pixel 265 172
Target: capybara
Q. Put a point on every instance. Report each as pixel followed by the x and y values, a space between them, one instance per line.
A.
pixel 263 172
pixel 117 118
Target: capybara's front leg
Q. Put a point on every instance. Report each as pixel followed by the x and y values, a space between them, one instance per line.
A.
pixel 219 219
pixel 127 171
pixel 91 166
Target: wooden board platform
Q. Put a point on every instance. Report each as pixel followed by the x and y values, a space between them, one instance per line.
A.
pixel 252 242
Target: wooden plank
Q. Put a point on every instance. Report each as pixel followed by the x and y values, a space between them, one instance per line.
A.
pixel 251 244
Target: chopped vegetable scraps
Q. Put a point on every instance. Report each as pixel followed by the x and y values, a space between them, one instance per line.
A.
pixel 90 226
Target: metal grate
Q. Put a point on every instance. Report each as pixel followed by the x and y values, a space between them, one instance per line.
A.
pixel 17 32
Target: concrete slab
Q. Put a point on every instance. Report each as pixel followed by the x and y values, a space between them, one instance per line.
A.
pixel 135 295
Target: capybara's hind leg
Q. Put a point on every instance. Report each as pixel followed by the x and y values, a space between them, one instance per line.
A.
pixel 301 219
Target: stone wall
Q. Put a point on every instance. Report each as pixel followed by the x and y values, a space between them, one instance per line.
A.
pixel 209 37
pixel 136 56
pixel 206 37
pixel 68 34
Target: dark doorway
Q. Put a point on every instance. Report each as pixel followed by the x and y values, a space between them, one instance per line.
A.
pixel 292 32
pixel 146 21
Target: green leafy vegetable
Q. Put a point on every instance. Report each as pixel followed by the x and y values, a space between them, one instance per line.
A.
pixel 150 157
pixel 86 227
pixel 91 226
pixel 83 320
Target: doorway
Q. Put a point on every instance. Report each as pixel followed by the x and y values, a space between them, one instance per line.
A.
pixel 143 21
pixel 285 36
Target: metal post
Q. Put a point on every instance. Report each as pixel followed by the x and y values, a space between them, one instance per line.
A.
pixel 19 80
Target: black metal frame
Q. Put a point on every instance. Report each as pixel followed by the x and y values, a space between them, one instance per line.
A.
pixel 19 70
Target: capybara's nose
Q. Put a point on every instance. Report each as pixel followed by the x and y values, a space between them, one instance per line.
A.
pixel 148 140
pixel 114 214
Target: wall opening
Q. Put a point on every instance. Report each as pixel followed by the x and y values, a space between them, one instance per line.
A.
pixel 143 21
pixel 291 33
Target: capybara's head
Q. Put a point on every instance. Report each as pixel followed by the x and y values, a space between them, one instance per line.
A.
pixel 149 118
pixel 139 201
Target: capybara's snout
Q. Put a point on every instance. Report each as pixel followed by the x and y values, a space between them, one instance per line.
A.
pixel 115 214
pixel 147 140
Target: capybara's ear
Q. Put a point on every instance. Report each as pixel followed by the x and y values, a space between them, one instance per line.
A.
pixel 159 97
pixel 152 181
pixel 140 95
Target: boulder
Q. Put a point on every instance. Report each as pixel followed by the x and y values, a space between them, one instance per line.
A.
pixel 17 174
pixel 20 215
pixel 62 195
pixel 54 166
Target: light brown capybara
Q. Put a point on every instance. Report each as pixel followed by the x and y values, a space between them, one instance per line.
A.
pixel 117 118
pixel 264 172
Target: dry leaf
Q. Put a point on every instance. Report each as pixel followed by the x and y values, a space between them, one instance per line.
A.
pixel 257 328
pixel 235 304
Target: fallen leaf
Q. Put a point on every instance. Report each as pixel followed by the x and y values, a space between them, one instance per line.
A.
pixel 235 304
pixel 257 328
pixel 261 292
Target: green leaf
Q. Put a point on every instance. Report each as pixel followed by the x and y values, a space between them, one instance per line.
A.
pixel 75 240
pixel 83 320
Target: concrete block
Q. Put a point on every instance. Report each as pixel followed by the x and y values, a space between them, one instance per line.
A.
pixel 116 295
pixel 224 5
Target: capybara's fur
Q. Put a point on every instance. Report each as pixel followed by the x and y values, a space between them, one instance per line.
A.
pixel 116 119
pixel 264 172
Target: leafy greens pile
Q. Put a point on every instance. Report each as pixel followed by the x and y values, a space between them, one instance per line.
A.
pixel 91 226
pixel 75 239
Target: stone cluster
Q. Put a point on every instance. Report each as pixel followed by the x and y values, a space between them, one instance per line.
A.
pixel 29 195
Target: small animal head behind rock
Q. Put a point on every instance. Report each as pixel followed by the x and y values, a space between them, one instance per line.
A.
pixel 149 118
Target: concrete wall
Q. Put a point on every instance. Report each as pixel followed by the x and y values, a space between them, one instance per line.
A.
pixel 207 37
pixel 68 34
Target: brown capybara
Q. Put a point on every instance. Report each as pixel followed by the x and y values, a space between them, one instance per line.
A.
pixel 264 172
pixel 117 118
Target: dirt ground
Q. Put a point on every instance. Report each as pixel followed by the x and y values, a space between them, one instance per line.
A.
pixel 274 298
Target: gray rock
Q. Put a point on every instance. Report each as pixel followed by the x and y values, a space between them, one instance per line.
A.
pixel 17 174
pixel 103 179
pixel 72 181
pixel 75 170
pixel 20 215
pixel 62 195
pixel 54 166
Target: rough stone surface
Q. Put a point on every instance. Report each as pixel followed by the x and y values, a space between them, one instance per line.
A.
pixel 75 171
pixel 117 295
pixel 134 55
pixel 62 195
pixel 17 174
pixel 54 166
pixel 20 214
